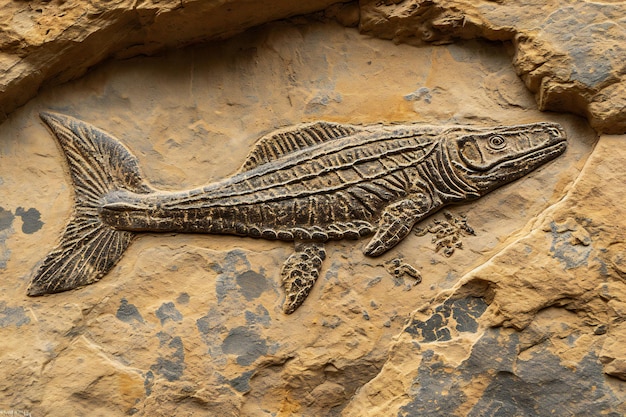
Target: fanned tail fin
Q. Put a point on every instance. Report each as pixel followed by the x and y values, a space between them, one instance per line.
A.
pixel 98 164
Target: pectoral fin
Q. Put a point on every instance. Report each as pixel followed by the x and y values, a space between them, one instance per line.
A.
pixel 299 273
pixel 396 223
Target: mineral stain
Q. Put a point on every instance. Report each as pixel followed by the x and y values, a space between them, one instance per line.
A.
pixel 242 382
pixel 246 344
pixel 252 284
pixel 15 316
pixel 537 385
pixel 31 219
pixel 463 311
pixel 172 364
pixel 128 312
pixel 6 219
pixel 168 311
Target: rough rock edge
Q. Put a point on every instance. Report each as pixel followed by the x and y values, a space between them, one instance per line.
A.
pixel 546 65
pixel 50 42
pixel 594 292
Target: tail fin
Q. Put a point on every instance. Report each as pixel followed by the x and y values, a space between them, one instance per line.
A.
pixel 98 164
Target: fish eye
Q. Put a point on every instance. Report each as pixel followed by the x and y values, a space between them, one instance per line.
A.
pixel 497 142
pixel 554 132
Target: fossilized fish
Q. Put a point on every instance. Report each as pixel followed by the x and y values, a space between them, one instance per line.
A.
pixel 309 184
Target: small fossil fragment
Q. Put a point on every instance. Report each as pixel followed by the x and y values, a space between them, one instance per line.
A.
pixel 398 268
pixel 447 233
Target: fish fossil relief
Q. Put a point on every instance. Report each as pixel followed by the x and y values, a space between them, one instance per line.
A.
pixel 309 184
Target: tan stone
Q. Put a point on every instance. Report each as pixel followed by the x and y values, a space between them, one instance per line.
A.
pixel 570 54
pixel 549 267
pixel 52 42
pixel 56 41
pixel 526 317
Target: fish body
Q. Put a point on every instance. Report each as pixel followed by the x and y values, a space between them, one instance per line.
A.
pixel 309 184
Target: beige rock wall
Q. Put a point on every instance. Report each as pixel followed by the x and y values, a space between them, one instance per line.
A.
pixel 554 318
pixel 525 319
pixel 49 42
pixel 569 53
pixel 555 41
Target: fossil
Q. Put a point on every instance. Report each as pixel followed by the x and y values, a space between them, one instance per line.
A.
pixel 447 232
pixel 309 184
pixel 398 268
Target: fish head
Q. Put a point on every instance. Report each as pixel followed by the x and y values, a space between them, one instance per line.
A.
pixel 489 158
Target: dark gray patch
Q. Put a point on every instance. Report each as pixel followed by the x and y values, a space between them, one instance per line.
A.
pixel 204 325
pixel 5 253
pixel 6 219
pixel 148 382
pixel 15 316
pixel 440 393
pixel 252 284
pixel 569 254
pixel 225 282
pixel 430 330
pixel 431 399
pixel 128 312
pixel 164 338
pixel 246 344
pixel 224 285
pixel 211 323
pixel 168 311
pixel 422 93
pixel 172 364
pixel 262 316
pixel 604 269
pixel 212 330
pixel 242 382
pixel 31 219
pixel 464 311
pixel 542 384
pixel 183 298
pixel 539 386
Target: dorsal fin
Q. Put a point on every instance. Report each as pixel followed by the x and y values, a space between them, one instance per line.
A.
pixel 276 144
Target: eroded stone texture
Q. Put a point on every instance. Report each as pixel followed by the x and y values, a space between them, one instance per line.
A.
pixel 191 324
pixel 560 286
pixel 569 53
pixel 55 41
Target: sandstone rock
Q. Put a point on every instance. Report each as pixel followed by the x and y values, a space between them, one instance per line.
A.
pixel 525 317
pixel 52 42
pixel 557 289
pixel 570 55
pixel 55 41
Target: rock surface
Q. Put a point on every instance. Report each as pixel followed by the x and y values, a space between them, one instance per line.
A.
pixel 532 329
pixel 525 318
pixel 569 53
